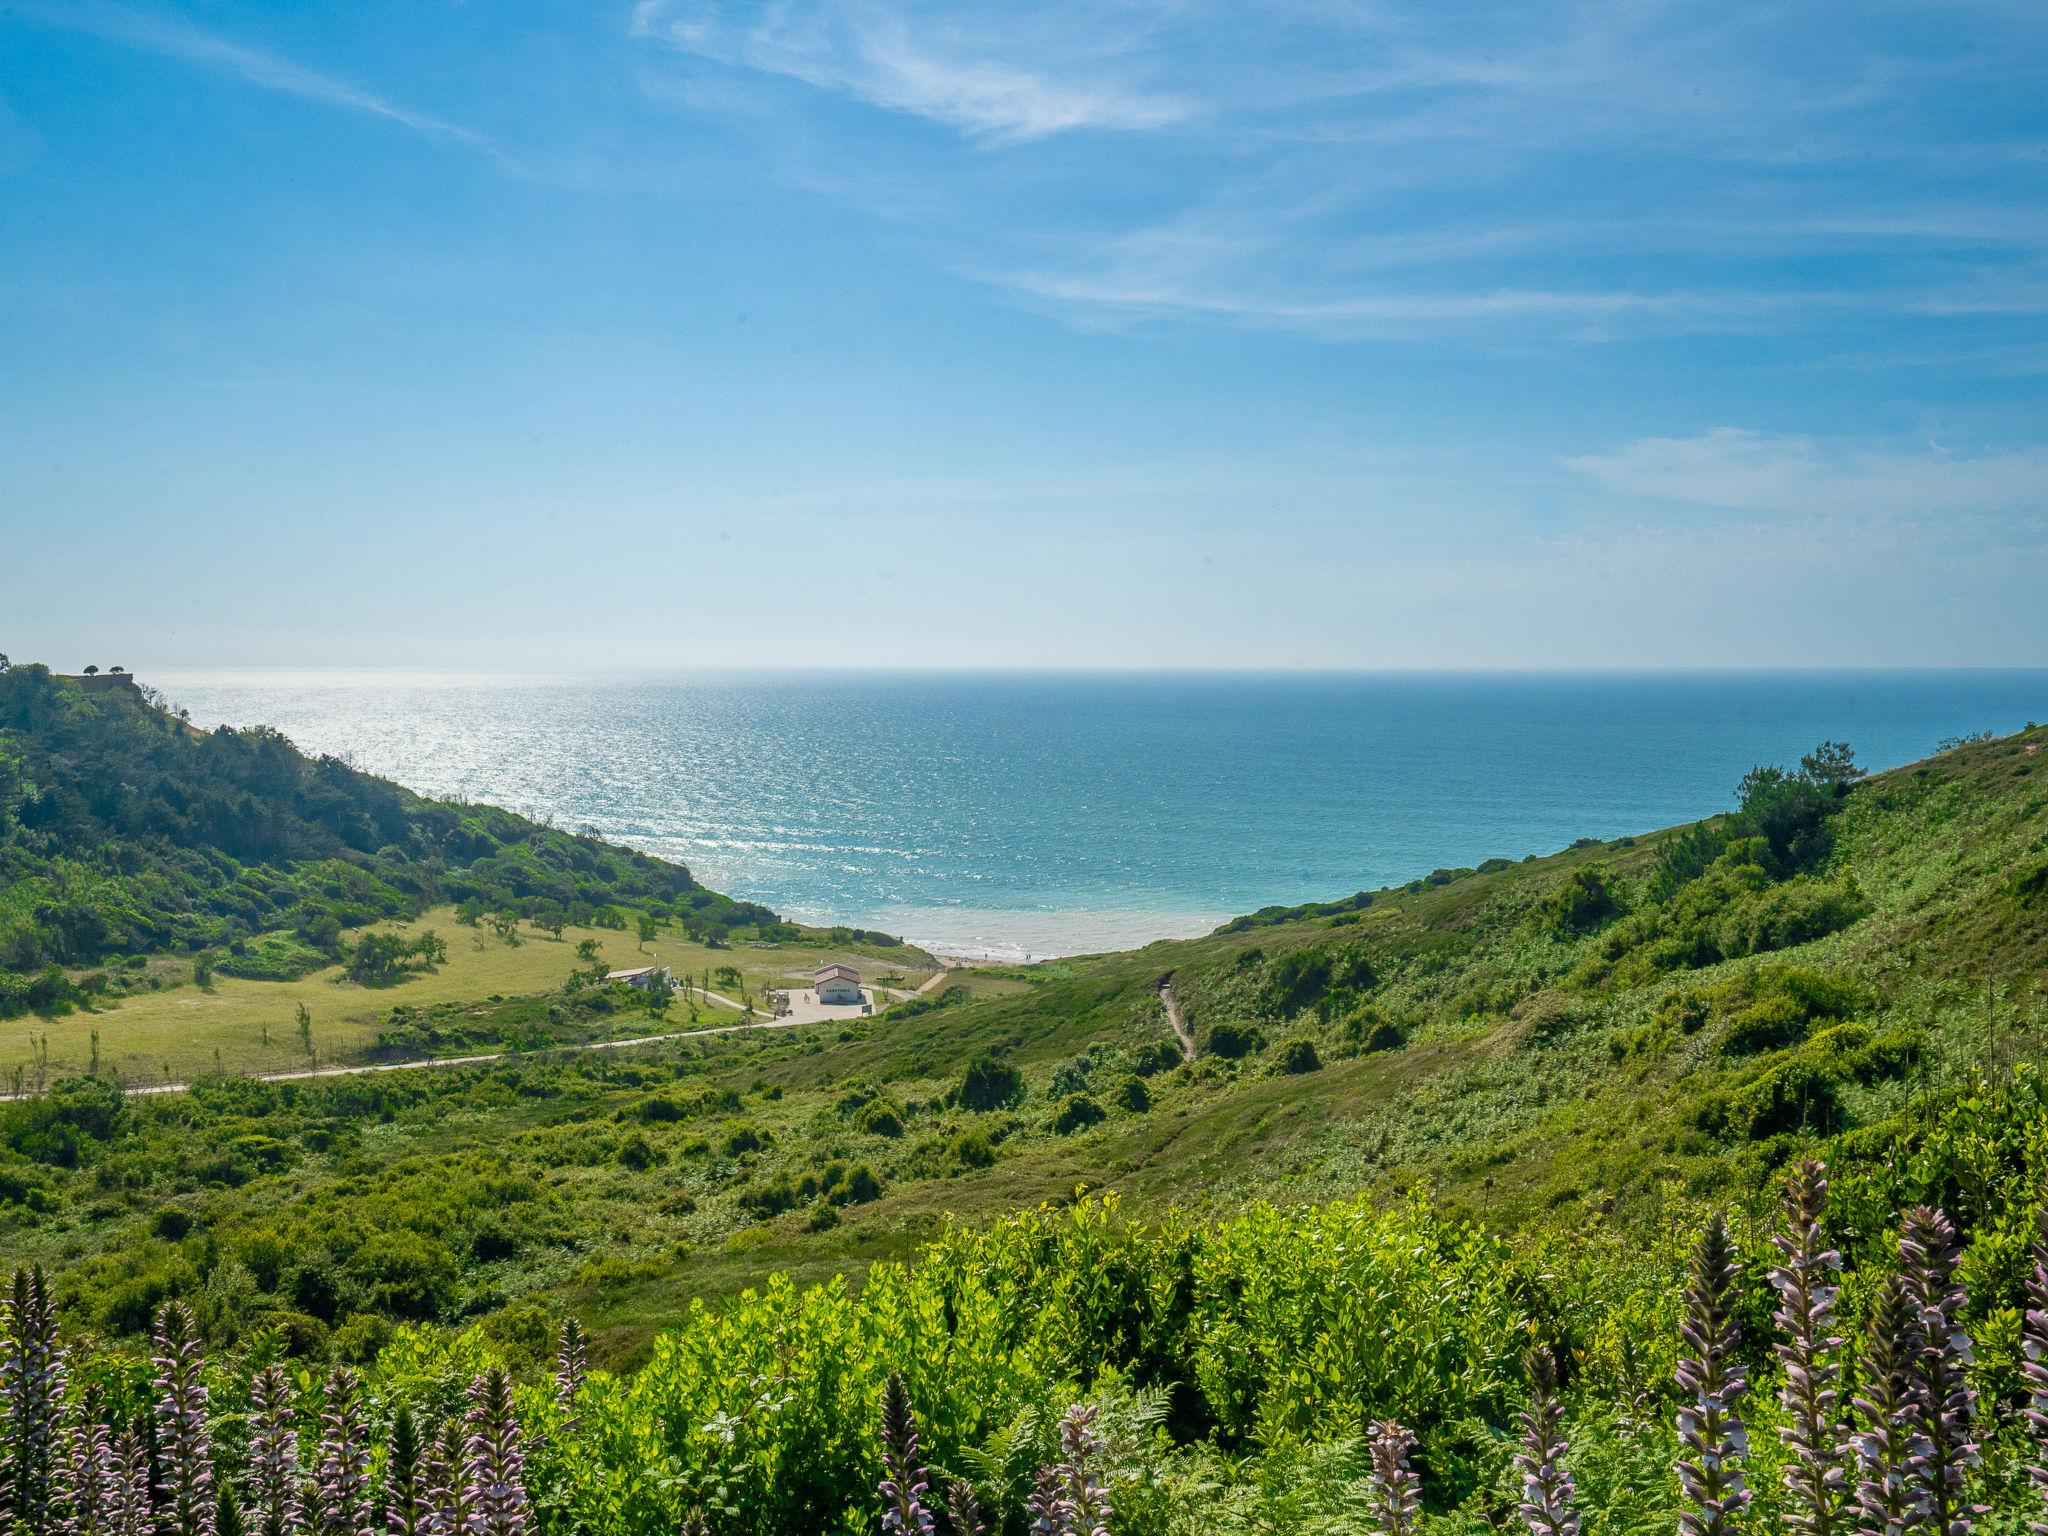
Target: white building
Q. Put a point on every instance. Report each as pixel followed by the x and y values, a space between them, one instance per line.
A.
pixel 837 984
pixel 643 978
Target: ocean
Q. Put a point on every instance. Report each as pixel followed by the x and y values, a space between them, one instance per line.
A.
pixel 1032 815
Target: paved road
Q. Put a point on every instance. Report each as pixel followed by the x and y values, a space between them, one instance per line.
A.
pixel 424 1062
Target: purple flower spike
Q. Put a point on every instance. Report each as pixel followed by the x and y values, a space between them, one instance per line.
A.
pixel 1944 1403
pixel 1710 1420
pixel 184 1445
pixel 1395 1488
pixel 1816 1482
pixel 1548 1493
pixel 904 1485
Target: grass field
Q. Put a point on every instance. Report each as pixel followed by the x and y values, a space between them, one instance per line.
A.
pixel 181 1030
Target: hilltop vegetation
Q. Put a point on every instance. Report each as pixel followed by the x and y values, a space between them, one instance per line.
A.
pixel 1497 1102
pixel 124 832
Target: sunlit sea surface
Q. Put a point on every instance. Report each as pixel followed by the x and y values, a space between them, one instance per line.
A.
pixel 1033 815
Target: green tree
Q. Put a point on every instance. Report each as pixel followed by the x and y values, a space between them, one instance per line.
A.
pixel 1832 765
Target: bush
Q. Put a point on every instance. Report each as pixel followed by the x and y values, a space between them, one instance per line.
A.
pixel 1234 1041
pixel 1132 1094
pixel 1297 1056
pixel 858 1185
pixel 881 1118
pixel 1365 1030
pixel 1581 904
pixel 1077 1114
pixel 1159 1056
pixel 990 1083
pixel 405 1274
pixel 1302 978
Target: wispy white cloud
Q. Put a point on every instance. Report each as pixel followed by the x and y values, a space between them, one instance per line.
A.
pixel 1598 172
pixel 171 36
pixel 1748 471
pixel 879 55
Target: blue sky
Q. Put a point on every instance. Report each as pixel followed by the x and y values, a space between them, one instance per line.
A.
pixel 503 334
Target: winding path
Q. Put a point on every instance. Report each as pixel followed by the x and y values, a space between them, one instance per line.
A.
pixel 1173 1017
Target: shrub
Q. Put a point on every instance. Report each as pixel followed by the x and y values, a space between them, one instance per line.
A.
pixel 858 1185
pixel 1581 904
pixel 881 1118
pixel 1132 1094
pixel 405 1274
pixel 637 1153
pixel 1077 1114
pixel 1071 1077
pixel 1302 978
pixel 990 1084
pixel 1298 1056
pixel 1234 1041
pixel 1366 1031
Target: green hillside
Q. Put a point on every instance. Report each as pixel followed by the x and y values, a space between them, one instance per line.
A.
pixel 125 832
pixel 1422 1127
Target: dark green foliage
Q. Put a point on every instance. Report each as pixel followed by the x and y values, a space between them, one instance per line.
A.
pixel 58 1128
pixel 881 1117
pixel 1579 905
pixel 1302 978
pixel 1267 917
pixel 990 1084
pixel 381 959
pixel 1132 1094
pixel 1233 1041
pixel 1077 1114
pixel 2030 886
pixel 1297 1056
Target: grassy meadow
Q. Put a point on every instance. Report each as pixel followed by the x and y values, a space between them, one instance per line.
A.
pixel 170 1028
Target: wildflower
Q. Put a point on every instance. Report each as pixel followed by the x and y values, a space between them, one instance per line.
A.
pixel 963 1510
pixel 1943 1401
pixel 1396 1490
pixel 1046 1505
pixel 32 1389
pixel 405 1502
pixel 184 1447
pixel 1087 1500
pixel 903 1486
pixel 131 1505
pixel 341 1475
pixel 89 1467
pixel 570 1369
pixel 449 1510
pixel 1891 1457
pixel 274 1508
pixel 494 1465
pixel 2034 1368
pixel 1547 1489
pixel 1710 1421
pixel 1816 1484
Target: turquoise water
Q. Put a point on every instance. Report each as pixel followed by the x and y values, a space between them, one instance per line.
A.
pixel 1051 814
